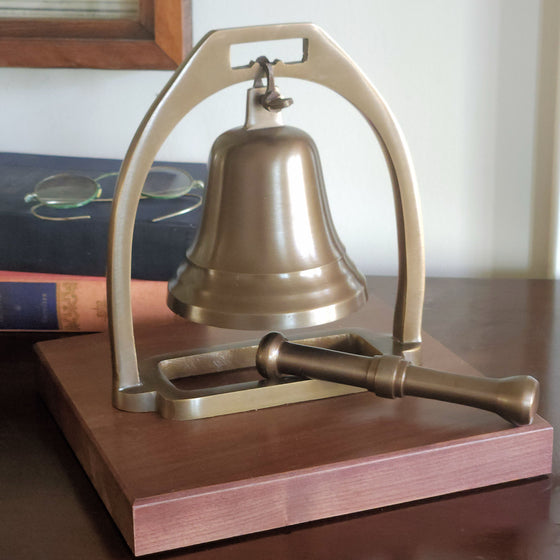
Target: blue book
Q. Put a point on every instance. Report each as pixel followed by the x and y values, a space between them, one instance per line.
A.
pixel 28 306
pixel 79 247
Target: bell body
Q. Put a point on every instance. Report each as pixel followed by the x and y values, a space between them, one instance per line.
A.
pixel 266 255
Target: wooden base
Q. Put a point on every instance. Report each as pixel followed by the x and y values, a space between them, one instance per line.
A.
pixel 170 484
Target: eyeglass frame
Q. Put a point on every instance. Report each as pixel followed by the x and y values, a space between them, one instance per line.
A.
pixel 194 183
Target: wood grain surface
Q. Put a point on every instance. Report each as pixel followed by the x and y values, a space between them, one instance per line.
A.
pixel 172 484
pixel 159 40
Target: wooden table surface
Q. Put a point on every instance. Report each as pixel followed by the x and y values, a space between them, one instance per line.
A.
pixel 49 510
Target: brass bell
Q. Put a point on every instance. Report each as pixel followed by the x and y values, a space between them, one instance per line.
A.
pixel 267 255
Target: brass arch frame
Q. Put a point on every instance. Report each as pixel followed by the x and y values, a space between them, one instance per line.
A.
pixel 324 63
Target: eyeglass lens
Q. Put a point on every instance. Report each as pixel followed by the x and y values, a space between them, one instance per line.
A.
pixel 166 182
pixel 66 190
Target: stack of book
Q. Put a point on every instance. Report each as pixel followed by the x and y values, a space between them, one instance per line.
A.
pixel 52 273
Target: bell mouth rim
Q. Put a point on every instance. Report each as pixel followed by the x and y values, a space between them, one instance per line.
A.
pixel 267 321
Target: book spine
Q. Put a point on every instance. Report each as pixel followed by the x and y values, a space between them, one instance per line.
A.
pixel 55 302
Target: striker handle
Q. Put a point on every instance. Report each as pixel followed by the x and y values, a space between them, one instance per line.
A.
pixel 513 398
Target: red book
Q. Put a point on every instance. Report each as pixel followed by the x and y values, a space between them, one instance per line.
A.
pixel 57 302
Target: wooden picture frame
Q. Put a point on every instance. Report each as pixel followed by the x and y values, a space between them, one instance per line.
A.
pixel 160 39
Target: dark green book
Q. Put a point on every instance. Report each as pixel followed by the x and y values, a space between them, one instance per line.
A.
pixel 79 247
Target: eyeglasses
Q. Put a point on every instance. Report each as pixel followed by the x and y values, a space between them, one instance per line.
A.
pixel 67 190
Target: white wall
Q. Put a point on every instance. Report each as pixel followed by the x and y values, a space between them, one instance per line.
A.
pixel 463 77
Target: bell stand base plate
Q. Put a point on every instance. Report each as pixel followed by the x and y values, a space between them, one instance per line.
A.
pixel 199 384
pixel 170 484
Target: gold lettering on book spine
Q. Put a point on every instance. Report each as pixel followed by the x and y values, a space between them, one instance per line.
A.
pixel 67 306
pixel 101 309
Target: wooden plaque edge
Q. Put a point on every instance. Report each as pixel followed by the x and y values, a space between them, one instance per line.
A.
pixel 339 488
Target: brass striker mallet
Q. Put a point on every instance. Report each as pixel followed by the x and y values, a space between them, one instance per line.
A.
pixel 514 398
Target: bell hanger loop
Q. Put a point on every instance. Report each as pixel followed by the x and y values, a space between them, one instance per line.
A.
pixel 271 99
